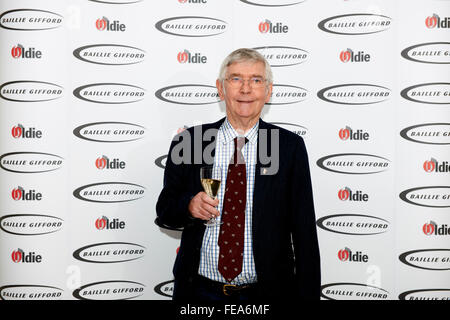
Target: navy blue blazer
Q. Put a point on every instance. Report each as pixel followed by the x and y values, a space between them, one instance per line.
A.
pixel 285 245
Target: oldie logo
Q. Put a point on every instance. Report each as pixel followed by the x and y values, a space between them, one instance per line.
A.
pixel 427 259
pixel 353 224
pixel 278 56
pixel 436 166
pixel 355 24
pixel 19 52
pixel 428 133
pixel 192 26
pixel 431 197
pixel 20 194
pixel 425 294
pixel 109 252
pixel 435 21
pixel 104 162
pixel 30 224
pixel 20 256
pixel 272 3
pixel 110 290
pixel 268 27
pixel 186 56
pixel 189 94
pixel 354 163
pixel 295 128
pixel 430 52
pixel 109 192
pixel 165 288
pixel 350 56
pixel 433 229
pixel 348 133
pixel 30 162
pixel 347 255
pixel 287 94
pixel 432 93
pixel 347 194
pixel 352 291
pixel 104 223
pixel 19 131
pixel 30 19
pixel 354 94
pixel 30 292
pixel 110 131
pixel 109 93
pixel 103 24
pixel 110 54
pixel 30 91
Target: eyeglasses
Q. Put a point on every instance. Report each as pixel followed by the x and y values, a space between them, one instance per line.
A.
pixel 254 82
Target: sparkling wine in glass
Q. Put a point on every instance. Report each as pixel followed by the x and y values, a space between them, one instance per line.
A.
pixel 210 177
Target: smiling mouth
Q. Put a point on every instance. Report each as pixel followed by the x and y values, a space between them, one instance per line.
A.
pixel 245 101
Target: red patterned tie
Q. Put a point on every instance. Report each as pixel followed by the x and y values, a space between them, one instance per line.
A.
pixel 231 237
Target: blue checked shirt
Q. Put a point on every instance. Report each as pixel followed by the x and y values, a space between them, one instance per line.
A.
pixel 209 254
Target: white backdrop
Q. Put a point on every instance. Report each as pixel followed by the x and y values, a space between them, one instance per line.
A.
pixel 92 92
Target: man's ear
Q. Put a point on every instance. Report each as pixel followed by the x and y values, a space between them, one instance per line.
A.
pixel 220 89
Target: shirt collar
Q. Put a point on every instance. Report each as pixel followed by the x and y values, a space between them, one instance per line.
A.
pixel 228 133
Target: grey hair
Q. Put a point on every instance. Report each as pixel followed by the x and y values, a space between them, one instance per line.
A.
pixel 243 55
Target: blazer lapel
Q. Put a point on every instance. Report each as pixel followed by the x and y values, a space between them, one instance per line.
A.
pixel 212 138
pixel 262 182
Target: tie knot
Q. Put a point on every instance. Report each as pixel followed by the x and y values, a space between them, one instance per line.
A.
pixel 239 142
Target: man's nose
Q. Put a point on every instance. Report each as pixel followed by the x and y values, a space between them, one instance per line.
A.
pixel 245 87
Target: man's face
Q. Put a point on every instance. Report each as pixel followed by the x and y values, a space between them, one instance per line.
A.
pixel 244 102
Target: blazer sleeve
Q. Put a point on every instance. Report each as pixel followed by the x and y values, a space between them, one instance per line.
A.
pixel 173 201
pixel 304 233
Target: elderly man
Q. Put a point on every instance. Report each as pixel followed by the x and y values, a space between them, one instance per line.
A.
pixel 265 246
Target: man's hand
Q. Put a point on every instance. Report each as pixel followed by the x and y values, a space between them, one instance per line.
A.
pixel 203 206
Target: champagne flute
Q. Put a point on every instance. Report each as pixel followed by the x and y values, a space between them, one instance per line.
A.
pixel 210 177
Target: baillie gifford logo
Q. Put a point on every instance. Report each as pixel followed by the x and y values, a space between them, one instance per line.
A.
pixel 19 52
pixel 355 24
pixel 354 163
pixel 104 24
pixel 19 256
pixel 352 291
pixel 186 56
pixel 434 21
pixel 30 162
pixel 192 26
pixel 268 27
pixel 354 94
pixel 346 194
pixel 20 131
pixel 30 20
pixel 433 165
pixel 348 133
pixel 165 288
pixel 433 229
pixel 104 223
pixel 280 56
pixel 428 133
pixel 110 290
pixel 346 255
pixel 350 56
pixel 105 163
